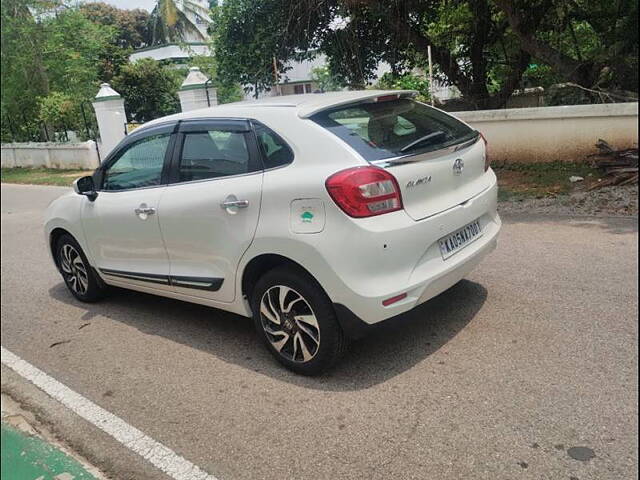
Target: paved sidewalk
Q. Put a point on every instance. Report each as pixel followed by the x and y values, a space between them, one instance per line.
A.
pixel 26 455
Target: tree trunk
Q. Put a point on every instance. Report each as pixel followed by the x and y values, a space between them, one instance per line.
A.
pixel 578 72
pixel 474 90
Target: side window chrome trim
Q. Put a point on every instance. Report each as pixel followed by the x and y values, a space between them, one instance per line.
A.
pixel 132 189
pixel 213 179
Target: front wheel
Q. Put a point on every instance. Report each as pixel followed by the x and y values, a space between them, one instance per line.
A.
pixel 296 320
pixel 80 278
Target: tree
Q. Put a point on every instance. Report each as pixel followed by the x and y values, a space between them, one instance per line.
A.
pixel 486 48
pixel 326 80
pixel 132 31
pixel 250 35
pixel 132 26
pixel 22 69
pixel 406 81
pixel 356 35
pixel 149 89
pixel 174 21
pixel 593 43
pixel 47 49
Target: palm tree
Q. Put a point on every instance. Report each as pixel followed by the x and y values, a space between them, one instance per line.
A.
pixel 179 21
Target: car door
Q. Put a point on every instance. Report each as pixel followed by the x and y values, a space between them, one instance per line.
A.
pixel 209 212
pixel 121 224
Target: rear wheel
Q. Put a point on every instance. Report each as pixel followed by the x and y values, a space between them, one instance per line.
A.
pixel 80 278
pixel 296 320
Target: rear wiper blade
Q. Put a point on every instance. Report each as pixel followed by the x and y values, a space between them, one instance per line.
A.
pixel 421 140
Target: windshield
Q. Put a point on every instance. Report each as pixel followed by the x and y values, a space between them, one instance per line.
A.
pixel 393 128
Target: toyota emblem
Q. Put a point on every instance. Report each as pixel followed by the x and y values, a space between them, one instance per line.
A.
pixel 458 166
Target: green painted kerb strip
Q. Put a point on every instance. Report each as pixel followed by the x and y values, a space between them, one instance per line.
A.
pixel 27 457
pixel 104 99
pixel 195 86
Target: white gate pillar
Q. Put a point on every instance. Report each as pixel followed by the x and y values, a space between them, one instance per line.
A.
pixel 111 118
pixel 194 89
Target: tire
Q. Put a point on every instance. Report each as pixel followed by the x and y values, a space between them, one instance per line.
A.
pixel 280 299
pixel 80 278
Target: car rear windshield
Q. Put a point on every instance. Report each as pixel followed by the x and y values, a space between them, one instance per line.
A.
pixel 380 130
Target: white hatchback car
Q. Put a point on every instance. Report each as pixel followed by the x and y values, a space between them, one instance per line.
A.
pixel 318 215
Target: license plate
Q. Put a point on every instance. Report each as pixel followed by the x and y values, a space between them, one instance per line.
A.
pixel 456 241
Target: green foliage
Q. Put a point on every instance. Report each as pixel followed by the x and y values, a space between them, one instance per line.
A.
pixel 249 36
pixel 72 49
pixel 112 59
pixel 57 109
pixel 132 26
pixel 486 48
pixel 406 81
pixel 46 53
pixel 327 81
pixel 149 89
pixel 593 43
pixel 131 31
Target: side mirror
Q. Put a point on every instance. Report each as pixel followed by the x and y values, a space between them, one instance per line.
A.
pixel 85 186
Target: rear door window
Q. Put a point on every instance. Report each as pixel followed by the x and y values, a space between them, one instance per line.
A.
pixel 379 130
pixel 214 153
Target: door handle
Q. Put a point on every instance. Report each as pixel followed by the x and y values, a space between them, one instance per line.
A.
pixel 143 211
pixel 235 203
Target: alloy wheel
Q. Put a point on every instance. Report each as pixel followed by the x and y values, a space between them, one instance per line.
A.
pixel 74 269
pixel 290 323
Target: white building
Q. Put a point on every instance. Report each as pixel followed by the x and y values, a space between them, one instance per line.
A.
pixel 299 79
pixel 195 42
pixel 171 52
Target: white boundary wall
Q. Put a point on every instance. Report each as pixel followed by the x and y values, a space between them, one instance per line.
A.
pixel 521 135
pixel 548 134
pixel 51 155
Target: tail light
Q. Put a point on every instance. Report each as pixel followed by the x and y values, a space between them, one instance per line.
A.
pixel 365 191
pixel 487 160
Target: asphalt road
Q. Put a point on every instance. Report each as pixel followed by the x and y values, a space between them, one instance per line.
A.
pixel 499 378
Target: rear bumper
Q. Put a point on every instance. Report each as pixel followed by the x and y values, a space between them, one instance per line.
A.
pixel 431 275
pixel 356 327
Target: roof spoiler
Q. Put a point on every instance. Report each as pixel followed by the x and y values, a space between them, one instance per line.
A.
pixel 309 109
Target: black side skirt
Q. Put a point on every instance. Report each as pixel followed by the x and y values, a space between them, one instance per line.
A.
pixel 197 283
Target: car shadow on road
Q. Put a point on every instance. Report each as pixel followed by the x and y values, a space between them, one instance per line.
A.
pixel 385 353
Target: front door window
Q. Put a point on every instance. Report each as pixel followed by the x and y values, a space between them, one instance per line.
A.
pixel 139 166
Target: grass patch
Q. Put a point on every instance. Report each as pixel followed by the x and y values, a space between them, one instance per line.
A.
pixel 41 176
pixel 538 180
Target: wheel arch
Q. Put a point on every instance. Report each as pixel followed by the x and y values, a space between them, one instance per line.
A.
pixel 261 264
pixel 54 236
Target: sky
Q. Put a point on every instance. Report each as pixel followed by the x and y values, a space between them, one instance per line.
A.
pixel 131 4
